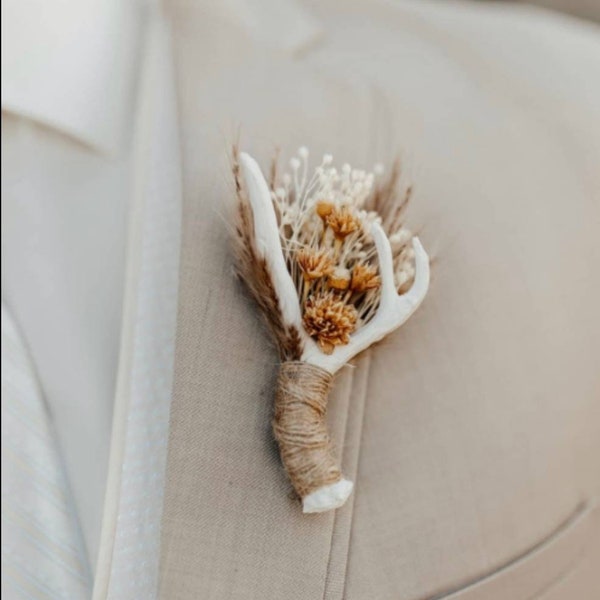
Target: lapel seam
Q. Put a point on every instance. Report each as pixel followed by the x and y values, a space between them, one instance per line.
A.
pixel 335 523
pixel 343 517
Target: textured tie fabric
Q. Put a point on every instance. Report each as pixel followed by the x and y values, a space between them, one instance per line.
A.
pixel 43 555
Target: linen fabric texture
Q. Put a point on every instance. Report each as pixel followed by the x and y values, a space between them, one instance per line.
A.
pixel 472 433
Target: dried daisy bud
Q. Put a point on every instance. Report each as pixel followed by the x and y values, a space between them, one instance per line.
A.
pixel 364 278
pixel 339 279
pixel 324 208
pixel 314 264
pixel 343 222
pixel 330 320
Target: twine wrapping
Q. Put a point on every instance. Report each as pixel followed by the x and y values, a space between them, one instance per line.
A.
pixel 300 429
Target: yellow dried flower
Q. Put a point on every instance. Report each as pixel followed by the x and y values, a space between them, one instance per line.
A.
pixel 314 264
pixel 364 278
pixel 339 279
pixel 324 208
pixel 343 222
pixel 330 320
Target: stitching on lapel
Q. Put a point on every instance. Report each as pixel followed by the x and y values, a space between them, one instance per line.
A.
pixel 335 579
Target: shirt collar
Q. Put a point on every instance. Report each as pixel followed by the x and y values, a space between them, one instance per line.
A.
pixel 71 65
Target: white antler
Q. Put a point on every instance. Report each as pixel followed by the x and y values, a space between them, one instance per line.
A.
pixel 266 232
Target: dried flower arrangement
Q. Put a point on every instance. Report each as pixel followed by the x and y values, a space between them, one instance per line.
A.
pixel 332 267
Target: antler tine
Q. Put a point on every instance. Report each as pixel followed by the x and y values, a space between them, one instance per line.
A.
pixel 389 295
pixel 411 300
pixel 266 232
pixel 393 309
pixel 402 307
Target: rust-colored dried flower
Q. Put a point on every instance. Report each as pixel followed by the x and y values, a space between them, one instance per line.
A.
pixel 339 279
pixel 330 320
pixel 314 264
pixel 324 208
pixel 343 222
pixel 364 278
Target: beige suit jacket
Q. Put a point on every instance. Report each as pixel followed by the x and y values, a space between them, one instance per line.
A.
pixel 473 434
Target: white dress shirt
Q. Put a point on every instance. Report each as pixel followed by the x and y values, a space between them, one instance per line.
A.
pixel 69 76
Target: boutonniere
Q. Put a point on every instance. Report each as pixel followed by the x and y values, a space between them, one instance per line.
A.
pixel 327 258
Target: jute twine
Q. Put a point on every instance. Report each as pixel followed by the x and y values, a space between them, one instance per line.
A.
pixel 300 428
